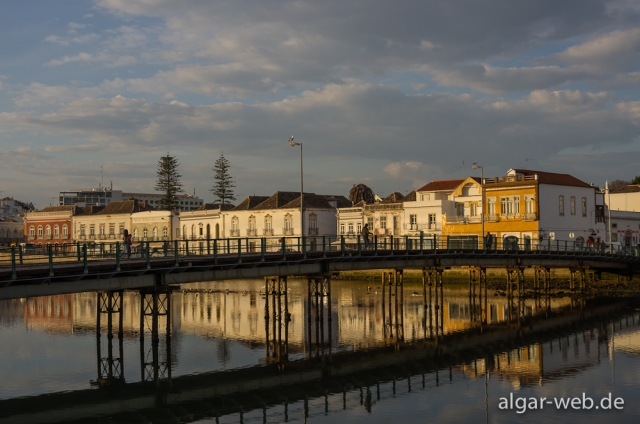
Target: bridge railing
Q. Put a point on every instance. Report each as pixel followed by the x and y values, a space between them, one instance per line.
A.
pixel 267 247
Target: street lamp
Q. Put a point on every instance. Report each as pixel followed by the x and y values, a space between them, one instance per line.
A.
pixel 476 166
pixel 293 144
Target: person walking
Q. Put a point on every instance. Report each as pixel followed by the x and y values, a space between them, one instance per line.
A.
pixel 489 240
pixel 365 235
pixel 126 243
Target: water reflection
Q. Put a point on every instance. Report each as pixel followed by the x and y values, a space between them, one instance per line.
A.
pixel 155 339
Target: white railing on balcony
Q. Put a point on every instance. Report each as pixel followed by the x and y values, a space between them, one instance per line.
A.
pixel 529 216
pixel 234 233
pixel 491 218
pixel 463 220
pixel 267 232
pixel 287 231
pixel 313 231
pixel 252 232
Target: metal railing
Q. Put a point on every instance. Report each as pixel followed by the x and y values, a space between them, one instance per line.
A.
pixel 237 248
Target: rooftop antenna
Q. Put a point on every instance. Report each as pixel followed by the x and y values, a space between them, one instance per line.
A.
pixel 525 162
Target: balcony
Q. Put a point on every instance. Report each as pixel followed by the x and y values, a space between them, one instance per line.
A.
pixel 252 232
pixel 234 233
pixel 64 237
pixel 287 231
pixel 82 237
pixel 464 220
pixel 491 218
pixel 267 232
pixel 313 231
pixel 529 217
pixel 32 237
pixel 47 237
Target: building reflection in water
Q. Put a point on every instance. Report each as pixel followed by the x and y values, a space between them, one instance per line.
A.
pixel 317 320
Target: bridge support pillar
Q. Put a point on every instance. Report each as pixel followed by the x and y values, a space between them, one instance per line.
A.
pixel 393 313
pixel 155 312
pixel 579 279
pixel 432 280
pixel 111 367
pixel 515 287
pixel 478 294
pixel 319 299
pixel 277 316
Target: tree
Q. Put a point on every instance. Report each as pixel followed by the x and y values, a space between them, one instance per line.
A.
pixel 168 182
pixel 636 180
pixel 618 184
pixel 223 187
pixel 361 192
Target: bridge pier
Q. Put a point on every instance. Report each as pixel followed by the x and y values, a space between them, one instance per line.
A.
pixel 110 368
pixel 478 289
pixel 319 294
pixel 155 306
pixel 393 316
pixel 278 316
pixel 432 279
pixel 515 283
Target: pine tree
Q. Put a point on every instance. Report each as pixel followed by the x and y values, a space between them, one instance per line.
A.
pixel 223 187
pixel 168 182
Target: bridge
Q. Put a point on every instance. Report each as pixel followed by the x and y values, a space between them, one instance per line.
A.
pixel 28 272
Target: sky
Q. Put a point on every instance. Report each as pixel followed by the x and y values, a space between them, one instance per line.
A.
pixel 389 94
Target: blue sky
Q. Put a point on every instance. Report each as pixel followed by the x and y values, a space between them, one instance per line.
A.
pixel 390 94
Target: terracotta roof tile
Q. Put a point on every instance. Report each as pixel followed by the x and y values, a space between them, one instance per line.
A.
pixel 279 199
pixel 553 178
pixel 411 197
pixel 441 185
pixel 212 206
pixel 250 203
pixel 341 201
pixel 58 208
pixel 126 206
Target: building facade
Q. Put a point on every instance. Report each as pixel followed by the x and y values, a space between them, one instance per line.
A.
pixel 51 226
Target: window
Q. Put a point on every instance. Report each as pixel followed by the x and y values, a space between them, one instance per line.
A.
pixel 155 233
pixel 121 229
pixel 351 228
pixel 422 197
pixel 459 209
pixel 342 229
pixel 396 223
pixel 65 230
pixel 370 222
pixel 432 221
pixel 288 222
pixel 383 222
pixel 528 204
pixel 561 205
pixel 165 232
pixel 32 231
pixel 572 205
pixel 252 223
pixel 473 209
pixel 584 206
pixel 40 234
pixel 516 205
pixel 267 223
pixel 313 221
pixel 491 206
pixel 413 222
pixel 56 231
pixel 112 229
pixel 48 231
pixel 145 233
pixel 184 230
pixel 359 227
pixel 82 230
pixel 102 230
pixel 135 233
pixel 92 230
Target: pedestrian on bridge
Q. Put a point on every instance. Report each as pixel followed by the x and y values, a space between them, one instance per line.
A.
pixel 489 241
pixel 365 235
pixel 126 242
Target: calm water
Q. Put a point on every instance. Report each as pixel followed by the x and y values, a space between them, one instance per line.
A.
pixel 49 345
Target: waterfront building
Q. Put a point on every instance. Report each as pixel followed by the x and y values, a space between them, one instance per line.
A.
pixel 384 217
pixel 106 224
pixel 206 222
pixel 279 215
pixel 424 214
pixel 154 225
pixel 526 207
pixel 52 225
pixel 11 230
pixel 9 207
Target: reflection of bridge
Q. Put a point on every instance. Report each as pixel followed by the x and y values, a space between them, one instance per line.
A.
pixel 24 276
pixel 283 387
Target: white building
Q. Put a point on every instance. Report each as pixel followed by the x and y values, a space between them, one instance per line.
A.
pixel 424 214
pixel 106 224
pixel 626 199
pixel 153 225
pixel 206 222
pixel 279 215
pixel 11 231
pixel 103 196
pixel 10 207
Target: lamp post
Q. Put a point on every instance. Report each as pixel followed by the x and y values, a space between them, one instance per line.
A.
pixel 293 144
pixel 476 166
pixel 608 204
